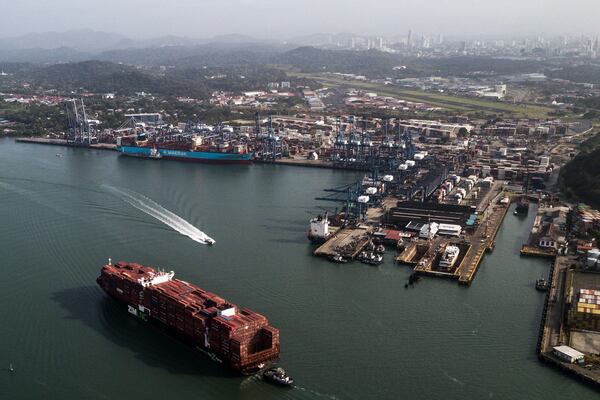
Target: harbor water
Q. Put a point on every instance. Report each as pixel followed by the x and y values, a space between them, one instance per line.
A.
pixel 347 331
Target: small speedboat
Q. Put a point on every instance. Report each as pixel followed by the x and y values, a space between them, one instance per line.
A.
pixel 339 259
pixel 278 376
pixel 10 368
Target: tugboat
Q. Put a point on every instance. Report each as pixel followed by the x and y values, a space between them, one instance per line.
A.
pixel 412 279
pixel 278 376
pixel 542 285
pixel 522 206
pixel 370 258
pixel 155 154
pixel 338 258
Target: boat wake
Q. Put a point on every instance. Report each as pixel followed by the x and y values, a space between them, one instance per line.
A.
pixel 160 213
pixel 35 197
pixel 453 379
pixel 315 393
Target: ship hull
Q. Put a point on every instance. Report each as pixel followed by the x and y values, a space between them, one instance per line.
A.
pixel 165 328
pixel 187 156
pixel 316 239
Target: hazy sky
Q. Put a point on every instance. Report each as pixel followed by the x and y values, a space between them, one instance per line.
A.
pixel 287 18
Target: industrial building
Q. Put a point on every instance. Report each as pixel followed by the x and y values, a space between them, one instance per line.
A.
pixel 406 214
pixel 568 354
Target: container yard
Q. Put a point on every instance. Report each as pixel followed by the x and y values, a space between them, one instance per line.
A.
pixel 571 318
pixel 439 220
pixel 423 182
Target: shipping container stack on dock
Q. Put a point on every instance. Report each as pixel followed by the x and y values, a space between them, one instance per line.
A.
pixel 239 337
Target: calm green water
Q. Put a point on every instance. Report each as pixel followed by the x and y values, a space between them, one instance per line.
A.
pixel 348 331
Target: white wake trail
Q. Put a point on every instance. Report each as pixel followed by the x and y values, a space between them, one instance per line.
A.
pixel 165 216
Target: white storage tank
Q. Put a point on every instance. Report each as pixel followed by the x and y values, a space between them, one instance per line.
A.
pixel 371 190
pixel 363 199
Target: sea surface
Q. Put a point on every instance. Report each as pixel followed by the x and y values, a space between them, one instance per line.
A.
pixel 347 331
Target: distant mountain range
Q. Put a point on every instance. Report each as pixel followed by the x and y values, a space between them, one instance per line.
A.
pixel 82 40
pixel 87 40
pixel 83 45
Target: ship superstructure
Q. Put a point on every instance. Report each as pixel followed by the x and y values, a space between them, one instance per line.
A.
pixel 319 229
pixel 449 257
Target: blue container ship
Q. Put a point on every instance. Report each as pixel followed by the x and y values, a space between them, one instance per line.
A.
pixel 187 155
pixel 198 149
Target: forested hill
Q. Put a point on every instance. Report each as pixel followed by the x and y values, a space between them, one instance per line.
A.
pixel 106 77
pixel 99 77
pixel 580 177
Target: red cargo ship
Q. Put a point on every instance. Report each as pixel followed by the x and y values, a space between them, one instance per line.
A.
pixel 240 338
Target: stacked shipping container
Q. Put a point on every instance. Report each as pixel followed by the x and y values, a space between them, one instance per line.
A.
pixel 585 313
pixel 242 338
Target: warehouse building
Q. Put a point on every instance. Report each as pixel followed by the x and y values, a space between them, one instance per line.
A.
pixel 568 354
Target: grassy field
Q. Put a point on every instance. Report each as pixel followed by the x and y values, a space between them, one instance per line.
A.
pixel 453 103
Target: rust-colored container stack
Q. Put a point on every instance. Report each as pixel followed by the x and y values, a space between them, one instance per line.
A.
pixel 242 338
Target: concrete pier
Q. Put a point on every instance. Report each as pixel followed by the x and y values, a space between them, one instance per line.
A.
pixel 348 242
